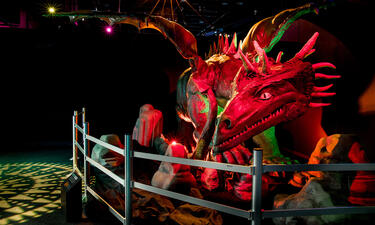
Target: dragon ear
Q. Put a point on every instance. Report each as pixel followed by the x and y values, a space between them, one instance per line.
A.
pixel 269 31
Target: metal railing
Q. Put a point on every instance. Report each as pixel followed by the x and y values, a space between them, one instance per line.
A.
pixel 255 215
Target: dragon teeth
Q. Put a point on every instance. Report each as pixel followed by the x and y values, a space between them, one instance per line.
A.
pixel 261 121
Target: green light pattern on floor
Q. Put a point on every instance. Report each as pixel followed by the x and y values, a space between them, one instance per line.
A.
pixel 29 190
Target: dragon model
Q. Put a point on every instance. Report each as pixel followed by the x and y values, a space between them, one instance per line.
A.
pixel 238 92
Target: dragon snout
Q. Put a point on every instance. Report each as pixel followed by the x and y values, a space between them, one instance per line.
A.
pixel 225 121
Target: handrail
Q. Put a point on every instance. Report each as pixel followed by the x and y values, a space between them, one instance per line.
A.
pixel 321 167
pixel 111 209
pixel 105 144
pixel 79 128
pixel 197 201
pixel 106 171
pixel 195 162
pixel 318 211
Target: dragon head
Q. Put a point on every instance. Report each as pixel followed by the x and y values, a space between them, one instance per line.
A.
pixel 264 93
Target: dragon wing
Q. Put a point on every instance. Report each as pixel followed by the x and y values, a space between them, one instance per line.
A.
pixel 181 38
pixel 269 31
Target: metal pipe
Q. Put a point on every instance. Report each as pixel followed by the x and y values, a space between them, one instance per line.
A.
pixel 85 159
pixel 111 209
pixel 321 167
pixel 319 211
pixel 195 162
pixel 74 141
pixel 196 201
pixel 83 115
pixel 88 152
pixel 257 187
pixel 106 171
pixel 128 179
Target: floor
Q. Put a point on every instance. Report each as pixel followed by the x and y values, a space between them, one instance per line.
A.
pixel 30 186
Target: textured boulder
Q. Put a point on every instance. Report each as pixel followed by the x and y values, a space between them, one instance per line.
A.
pixel 344 187
pixel 173 175
pixel 312 195
pixel 106 157
pixel 149 125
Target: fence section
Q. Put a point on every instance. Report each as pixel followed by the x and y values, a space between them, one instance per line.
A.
pixel 255 215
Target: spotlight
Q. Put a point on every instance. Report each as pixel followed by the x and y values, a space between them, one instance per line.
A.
pixel 51 10
pixel 174 143
pixel 108 29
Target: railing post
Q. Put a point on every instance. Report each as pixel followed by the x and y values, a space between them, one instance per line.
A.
pixel 257 186
pixel 87 151
pixel 85 148
pixel 74 141
pixel 128 155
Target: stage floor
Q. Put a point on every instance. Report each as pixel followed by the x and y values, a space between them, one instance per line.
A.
pixel 30 186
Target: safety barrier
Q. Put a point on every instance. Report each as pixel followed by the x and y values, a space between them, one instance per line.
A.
pixel 255 215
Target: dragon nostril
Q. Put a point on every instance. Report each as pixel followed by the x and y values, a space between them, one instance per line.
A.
pixel 227 123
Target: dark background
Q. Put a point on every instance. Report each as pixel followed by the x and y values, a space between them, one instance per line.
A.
pixel 54 67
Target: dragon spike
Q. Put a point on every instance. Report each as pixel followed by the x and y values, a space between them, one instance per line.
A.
pixel 233 46
pixel 262 56
pixel 220 43
pixel 322 94
pixel 316 105
pixel 306 49
pixel 214 49
pixel 226 44
pixel 278 58
pixel 325 76
pixel 210 52
pixel 320 89
pixel 246 63
pixel 322 65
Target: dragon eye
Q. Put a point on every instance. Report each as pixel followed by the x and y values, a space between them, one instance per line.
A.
pixel 265 96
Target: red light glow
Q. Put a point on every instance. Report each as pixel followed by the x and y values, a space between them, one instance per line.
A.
pixel 108 30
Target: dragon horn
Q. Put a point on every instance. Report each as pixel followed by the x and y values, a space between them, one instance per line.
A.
pixel 322 65
pixel 246 63
pixel 278 58
pixel 322 94
pixel 320 89
pixel 262 57
pixel 315 105
pixel 325 76
pixel 306 49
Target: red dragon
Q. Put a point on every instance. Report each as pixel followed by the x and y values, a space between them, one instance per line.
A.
pixel 239 91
